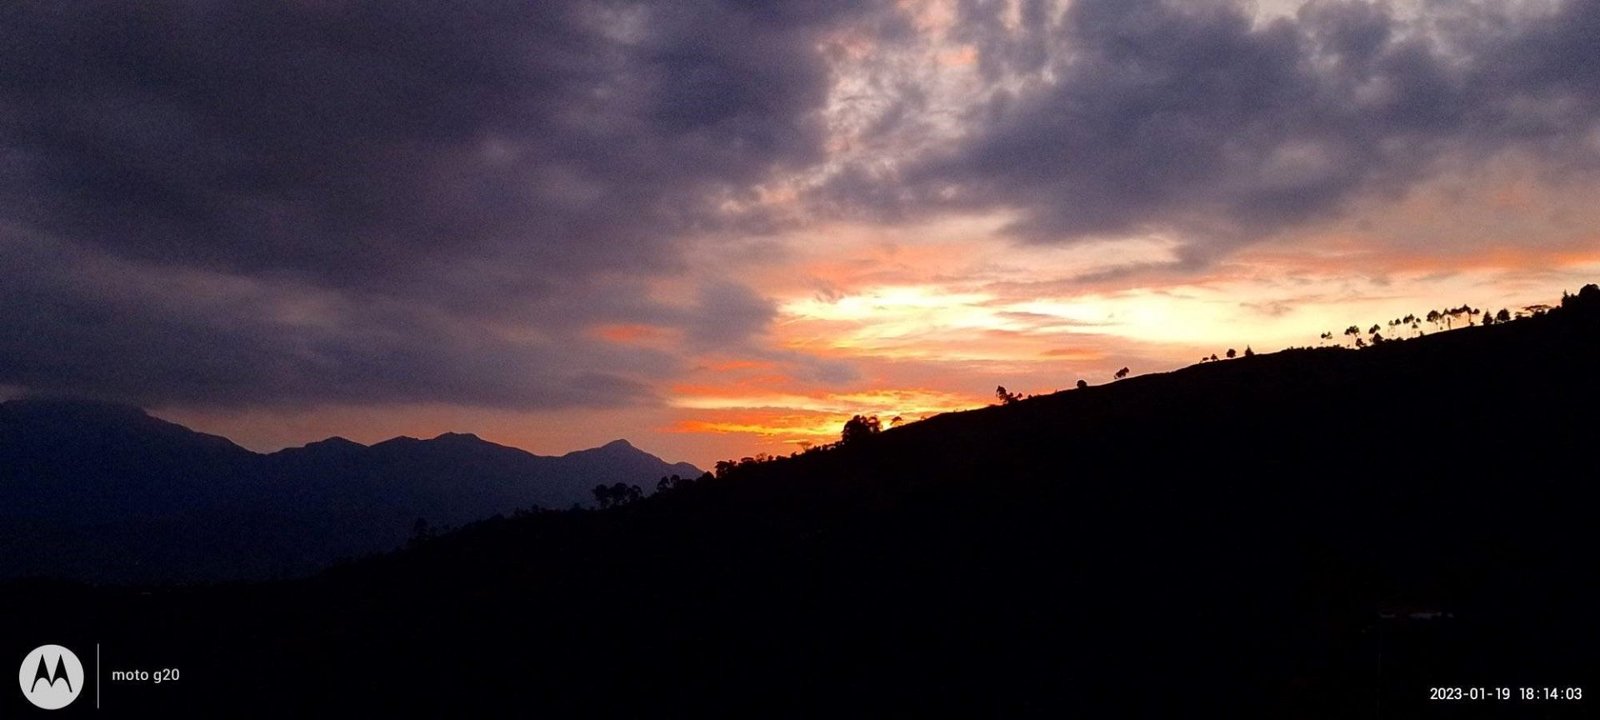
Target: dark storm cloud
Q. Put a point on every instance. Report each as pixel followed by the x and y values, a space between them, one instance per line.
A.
pixel 1130 116
pixel 728 313
pixel 473 183
pixel 364 201
pixel 349 142
pixel 80 325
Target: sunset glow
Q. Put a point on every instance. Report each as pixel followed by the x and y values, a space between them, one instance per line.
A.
pixel 888 210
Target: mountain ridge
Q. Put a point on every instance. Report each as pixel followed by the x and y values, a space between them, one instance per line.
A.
pixel 72 470
pixel 1317 533
pixel 1253 536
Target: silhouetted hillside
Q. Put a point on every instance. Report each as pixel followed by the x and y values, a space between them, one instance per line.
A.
pixel 107 492
pixel 1312 533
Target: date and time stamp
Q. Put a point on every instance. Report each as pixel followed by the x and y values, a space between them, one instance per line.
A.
pixel 1563 694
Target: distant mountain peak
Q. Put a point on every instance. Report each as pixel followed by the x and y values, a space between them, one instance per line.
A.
pixel 457 437
pixel 621 453
pixel 68 419
pixel 106 474
pixel 398 440
pixel 335 442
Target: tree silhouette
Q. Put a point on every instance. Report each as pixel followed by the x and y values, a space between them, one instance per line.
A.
pixel 1248 352
pixel 1120 374
pixel 859 428
pixel 1588 296
pixel 617 494
pixel 1082 384
pixel 1006 398
pixel 1232 354
pixel 1504 316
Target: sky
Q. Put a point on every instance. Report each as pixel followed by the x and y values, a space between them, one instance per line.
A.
pixel 723 227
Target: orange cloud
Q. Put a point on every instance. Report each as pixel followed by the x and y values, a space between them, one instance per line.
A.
pixel 627 334
pixel 1080 354
pixel 734 365
pixel 959 57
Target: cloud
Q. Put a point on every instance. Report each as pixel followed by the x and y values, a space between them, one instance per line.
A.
pixel 351 143
pixel 1119 118
pixel 729 313
pixel 84 324
pixel 456 189
pixel 370 202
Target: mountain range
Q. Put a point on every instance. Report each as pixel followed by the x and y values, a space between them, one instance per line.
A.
pixel 107 492
pixel 1321 533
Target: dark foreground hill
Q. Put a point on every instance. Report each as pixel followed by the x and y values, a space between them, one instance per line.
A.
pixel 108 493
pixel 1308 534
